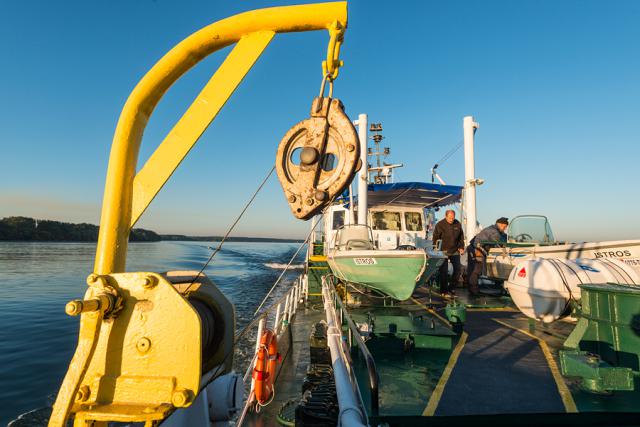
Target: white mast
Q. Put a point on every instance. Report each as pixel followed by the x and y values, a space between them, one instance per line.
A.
pixel 363 174
pixel 352 219
pixel 470 181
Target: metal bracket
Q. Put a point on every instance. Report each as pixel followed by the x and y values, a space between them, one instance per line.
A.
pixel 317 158
pixel 595 375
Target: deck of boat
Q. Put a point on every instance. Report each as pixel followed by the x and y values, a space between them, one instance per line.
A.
pixel 500 364
pixel 294 367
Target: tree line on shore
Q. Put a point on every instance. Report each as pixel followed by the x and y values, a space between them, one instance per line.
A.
pixel 29 229
pixel 20 228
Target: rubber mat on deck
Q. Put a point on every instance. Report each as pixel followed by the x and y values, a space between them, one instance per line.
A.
pixel 499 370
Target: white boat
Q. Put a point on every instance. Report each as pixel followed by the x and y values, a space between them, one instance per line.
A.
pixel 530 236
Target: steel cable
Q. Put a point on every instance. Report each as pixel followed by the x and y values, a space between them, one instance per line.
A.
pixel 246 206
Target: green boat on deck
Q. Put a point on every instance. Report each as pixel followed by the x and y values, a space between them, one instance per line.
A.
pixel 395 273
pixel 374 268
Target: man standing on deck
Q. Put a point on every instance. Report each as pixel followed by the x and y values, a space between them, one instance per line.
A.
pixel 479 247
pixel 449 231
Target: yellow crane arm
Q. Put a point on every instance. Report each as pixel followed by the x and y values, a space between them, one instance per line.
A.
pixel 123 201
pixel 127 195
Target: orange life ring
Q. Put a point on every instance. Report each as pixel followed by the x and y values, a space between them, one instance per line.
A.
pixel 264 371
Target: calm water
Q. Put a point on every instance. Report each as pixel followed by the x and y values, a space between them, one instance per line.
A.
pixel 37 339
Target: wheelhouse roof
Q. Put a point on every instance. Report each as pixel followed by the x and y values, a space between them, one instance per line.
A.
pixel 413 194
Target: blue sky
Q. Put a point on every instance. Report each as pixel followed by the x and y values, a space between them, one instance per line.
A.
pixel 554 85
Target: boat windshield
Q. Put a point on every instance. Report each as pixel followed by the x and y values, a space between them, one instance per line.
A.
pixel 530 229
pixel 413 221
pixel 338 219
pixel 386 220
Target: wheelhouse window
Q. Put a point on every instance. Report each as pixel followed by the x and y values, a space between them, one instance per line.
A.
pixel 386 221
pixel 413 221
pixel 338 219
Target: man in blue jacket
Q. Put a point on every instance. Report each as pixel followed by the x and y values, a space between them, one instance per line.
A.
pixel 479 246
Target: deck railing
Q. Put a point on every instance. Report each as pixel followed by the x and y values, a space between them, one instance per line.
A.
pixel 354 335
pixel 283 311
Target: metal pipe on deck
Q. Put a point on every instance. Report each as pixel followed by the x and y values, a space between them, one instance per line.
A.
pixel 351 413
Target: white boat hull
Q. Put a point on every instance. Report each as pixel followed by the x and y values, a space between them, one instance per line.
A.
pixel 501 261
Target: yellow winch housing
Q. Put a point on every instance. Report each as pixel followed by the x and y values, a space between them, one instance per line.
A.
pixel 170 331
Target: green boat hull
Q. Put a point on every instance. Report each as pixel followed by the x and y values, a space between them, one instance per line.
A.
pixel 394 273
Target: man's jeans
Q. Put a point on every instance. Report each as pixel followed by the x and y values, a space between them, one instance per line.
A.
pixel 444 273
pixel 475 265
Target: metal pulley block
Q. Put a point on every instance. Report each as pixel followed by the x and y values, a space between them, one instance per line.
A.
pixel 317 158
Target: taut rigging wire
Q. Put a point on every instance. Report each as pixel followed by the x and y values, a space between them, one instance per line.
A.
pixel 246 206
pixel 449 153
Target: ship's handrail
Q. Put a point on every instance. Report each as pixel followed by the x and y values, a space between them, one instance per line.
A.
pixel 374 378
pixel 349 398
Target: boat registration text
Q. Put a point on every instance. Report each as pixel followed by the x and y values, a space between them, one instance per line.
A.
pixel 364 261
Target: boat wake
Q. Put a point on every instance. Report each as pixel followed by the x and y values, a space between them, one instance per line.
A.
pixel 279 266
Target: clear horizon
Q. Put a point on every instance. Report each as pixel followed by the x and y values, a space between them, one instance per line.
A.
pixel 554 86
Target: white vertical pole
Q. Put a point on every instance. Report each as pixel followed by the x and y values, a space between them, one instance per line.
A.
pixel 292 303
pixel 285 314
pixel 295 298
pixel 261 325
pixel 305 286
pixel 352 217
pixel 298 287
pixel 276 322
pixel 469 128
pixel 312 237
pixel 363 174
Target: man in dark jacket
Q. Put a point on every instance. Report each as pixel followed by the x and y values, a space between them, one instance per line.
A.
pixel 449 231
pixel 478 249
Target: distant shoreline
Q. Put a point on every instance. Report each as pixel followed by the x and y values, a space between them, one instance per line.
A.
pixel 24 229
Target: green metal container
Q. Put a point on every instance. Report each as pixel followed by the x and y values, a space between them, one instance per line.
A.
pixel 604 348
